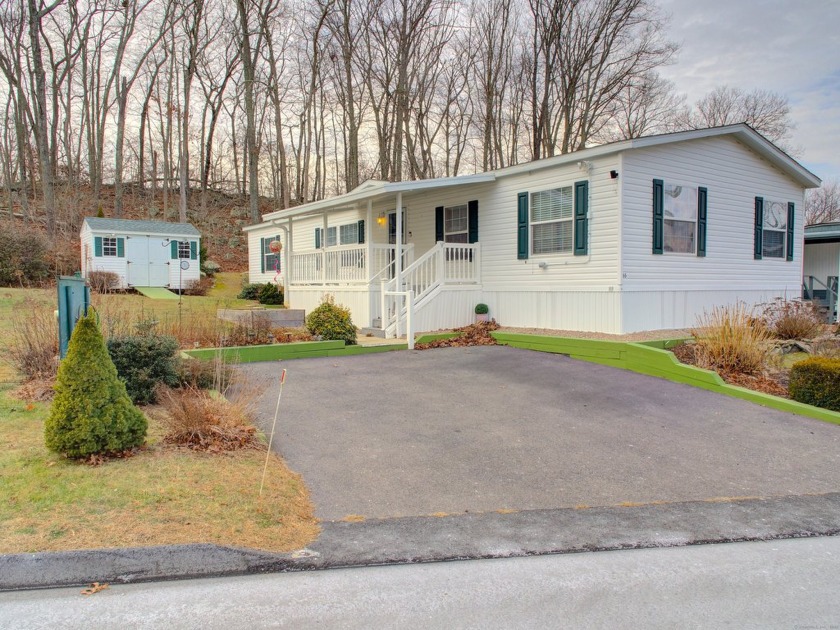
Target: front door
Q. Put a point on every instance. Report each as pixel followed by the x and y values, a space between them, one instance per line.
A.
pixel 159 254
pixel 392 238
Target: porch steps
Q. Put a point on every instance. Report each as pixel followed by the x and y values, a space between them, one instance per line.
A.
pixel 372 332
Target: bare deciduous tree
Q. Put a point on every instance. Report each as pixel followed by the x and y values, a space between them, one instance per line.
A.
pixel 822 205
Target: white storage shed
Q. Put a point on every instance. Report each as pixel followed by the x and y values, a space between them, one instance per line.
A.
pixel 142 253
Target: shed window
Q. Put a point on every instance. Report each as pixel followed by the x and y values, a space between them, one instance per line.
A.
pixel 184 249
pixel 552 217
pixel 774 229
pixel 680 218
pixel 109 246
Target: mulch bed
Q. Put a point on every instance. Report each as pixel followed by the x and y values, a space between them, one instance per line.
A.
pixel 477 334
pixel 774 383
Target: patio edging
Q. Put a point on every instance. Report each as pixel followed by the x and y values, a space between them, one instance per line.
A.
pixel 652 359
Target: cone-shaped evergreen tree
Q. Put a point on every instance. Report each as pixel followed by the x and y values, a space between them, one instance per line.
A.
pixel 91 412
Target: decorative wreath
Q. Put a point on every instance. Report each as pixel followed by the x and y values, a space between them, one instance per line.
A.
pixel 275 246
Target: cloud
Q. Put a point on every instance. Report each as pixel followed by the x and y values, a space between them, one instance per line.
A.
pixel 790 48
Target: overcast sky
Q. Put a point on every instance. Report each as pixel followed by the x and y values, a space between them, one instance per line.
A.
pixel 790 47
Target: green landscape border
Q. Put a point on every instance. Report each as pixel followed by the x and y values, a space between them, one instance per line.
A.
pixel 295 350
pixel 653 359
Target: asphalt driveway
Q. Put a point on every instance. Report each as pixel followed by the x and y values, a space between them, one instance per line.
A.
pixel 484 429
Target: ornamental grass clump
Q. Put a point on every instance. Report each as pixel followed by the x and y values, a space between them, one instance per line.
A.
pixel 816 381
pixel 792 319
pixel 91 413
pixel 331 322
pixel 728 340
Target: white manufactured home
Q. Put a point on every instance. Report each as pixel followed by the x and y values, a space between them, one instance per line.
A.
pixel 821 277
pixel 141 253
pixel 635 235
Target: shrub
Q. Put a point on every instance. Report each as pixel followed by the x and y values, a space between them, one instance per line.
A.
pixel 481 309
pixel 270 293
pixel 91 412
pixel 103 281
pixel 198 286
pixel 331 322
pixel 816 381
pixel 23 257
pixel 201 421
pixel 250 291
pixel 727 340
pixel 210 267
pixel 33 342
pixel 792 319
pixel 143 361
pixel 205 373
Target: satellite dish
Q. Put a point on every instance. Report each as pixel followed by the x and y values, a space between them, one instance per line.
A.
pixel 185 264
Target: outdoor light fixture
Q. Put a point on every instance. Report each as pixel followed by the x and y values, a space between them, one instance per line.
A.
pixel 380 220
pixel 613 174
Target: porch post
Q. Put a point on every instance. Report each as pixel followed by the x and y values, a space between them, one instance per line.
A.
pixel 398 248
pixel 369 241
pixel 837 292
pixel 289 251
pixel 324 251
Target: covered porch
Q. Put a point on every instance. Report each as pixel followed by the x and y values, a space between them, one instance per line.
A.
pixel 357 248
pixel 821 267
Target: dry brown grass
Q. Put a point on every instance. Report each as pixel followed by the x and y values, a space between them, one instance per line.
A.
pixel 33 340
pixel 792 319
pixel 162 495
pixel 728 340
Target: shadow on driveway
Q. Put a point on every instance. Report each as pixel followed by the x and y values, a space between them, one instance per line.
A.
pixel 482 429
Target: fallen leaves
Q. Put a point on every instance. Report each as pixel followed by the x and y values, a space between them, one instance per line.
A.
pixel 95 587
pixel 477 334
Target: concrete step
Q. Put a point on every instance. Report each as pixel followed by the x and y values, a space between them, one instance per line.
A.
pixel 375 332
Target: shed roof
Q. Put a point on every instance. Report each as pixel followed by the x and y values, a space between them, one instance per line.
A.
pixel 163 228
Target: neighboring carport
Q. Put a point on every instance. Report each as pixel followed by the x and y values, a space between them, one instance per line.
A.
pixel 483 429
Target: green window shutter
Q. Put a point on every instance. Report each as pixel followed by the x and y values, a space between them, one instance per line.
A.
pixel 581 218
pixel 790 220
pixel 759 228
pixel 658 216
pixel 522 226
pixel 174 249
pixel 262 255
pixel 318 238
pixel 702 207
pixel 438 224
pixel 120 248
pixel 362 232
pixel 97 246
pixel 193 250
pixel 472 209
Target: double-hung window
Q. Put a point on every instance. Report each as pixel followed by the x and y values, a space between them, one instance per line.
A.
pixel 774 230
pixel 109 246
pixel 552 221
pixel 349 234
pixel 456 224
pixel 184 249
pixel 680 218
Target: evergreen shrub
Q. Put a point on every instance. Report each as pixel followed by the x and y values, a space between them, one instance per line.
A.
pixel 91 412
pixel 816 381
pixel 270 293
pixel 331 322
pixel 143 362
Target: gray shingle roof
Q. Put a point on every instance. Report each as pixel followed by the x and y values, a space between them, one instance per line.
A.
pixel 162 228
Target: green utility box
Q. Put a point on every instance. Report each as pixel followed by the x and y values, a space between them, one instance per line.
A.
pixel 73 302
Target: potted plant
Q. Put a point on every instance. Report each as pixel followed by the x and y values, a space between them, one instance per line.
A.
pixel 482 313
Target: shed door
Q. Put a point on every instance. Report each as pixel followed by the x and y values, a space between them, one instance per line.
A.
pixel 136 254
pixel 159 253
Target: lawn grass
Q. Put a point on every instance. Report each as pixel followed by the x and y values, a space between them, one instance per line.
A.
pixel 162 495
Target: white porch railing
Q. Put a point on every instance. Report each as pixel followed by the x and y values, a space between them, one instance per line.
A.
pixel 445 263
pixel 347 264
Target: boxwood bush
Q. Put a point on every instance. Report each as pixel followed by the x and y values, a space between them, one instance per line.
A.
pixel 144 361
pixel 816 381
pixel 331 322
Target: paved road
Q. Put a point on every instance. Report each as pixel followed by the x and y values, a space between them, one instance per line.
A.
pixel 484 429
pixel 781 584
